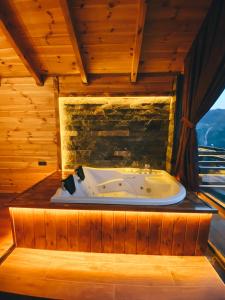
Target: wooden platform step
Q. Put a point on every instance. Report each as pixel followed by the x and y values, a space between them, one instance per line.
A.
pixel 95 276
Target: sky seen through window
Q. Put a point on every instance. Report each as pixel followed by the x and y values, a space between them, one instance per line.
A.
pixel 220 103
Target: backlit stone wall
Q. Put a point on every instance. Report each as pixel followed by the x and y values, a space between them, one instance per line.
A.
pixel 114 132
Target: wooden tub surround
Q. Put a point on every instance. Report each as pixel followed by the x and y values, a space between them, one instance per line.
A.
pixel 111 231
pixel 6 237
pixel 180 229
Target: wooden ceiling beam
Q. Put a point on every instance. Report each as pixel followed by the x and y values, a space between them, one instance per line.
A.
pixel 142 9
pixel 20 51
pixel 73 38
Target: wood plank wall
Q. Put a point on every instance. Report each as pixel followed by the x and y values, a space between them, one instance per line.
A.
pixel 112 231
pixel 114 85
pixel 6 237
pixel 28 133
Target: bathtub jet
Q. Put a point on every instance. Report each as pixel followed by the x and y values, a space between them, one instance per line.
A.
pixel 128 186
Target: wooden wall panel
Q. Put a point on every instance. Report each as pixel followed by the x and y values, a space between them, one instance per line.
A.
pixel 18 228
pixel 117 85
pixel 72 223
pixel 50 228
pixel 84 233
pixel 96 231
pixel 119 226
pixel 167 234
pixel 112 232
pixel 6 233
pixel 61 232
pixel 28 133
pixel 155 234
pixel 203 233
pixel 28 229
pixel 191 234
pixel 39 229
pixel 143 230
pixel 179 234
pixel 107 231
pixel 131 232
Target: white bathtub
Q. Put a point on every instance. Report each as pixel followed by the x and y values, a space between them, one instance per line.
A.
pixel 129 186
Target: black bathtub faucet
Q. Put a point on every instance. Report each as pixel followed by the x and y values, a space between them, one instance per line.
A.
pixel 80 172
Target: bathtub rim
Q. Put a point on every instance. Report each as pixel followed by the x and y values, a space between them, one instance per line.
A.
pixel 38 196
pixel 178 197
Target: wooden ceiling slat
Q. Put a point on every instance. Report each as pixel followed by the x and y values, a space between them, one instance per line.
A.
pixel 20 52
pixel 66 12
pixel 105 30
pixel 142 9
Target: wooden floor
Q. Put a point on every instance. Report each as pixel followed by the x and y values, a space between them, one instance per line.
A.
pixel 79 275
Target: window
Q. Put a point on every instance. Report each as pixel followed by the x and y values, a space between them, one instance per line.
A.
pixel 211 146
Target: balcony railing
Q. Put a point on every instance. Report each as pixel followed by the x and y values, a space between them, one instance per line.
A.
pixel 212 171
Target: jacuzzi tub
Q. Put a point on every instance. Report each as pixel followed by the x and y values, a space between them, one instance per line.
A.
pixel 129 186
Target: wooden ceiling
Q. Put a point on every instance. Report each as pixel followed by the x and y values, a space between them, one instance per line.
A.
pixel 60 37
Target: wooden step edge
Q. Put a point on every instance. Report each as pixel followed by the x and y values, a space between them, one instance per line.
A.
pixel 7 253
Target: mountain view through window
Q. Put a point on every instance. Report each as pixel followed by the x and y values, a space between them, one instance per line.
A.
pixel 211 150
pixel 211 128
